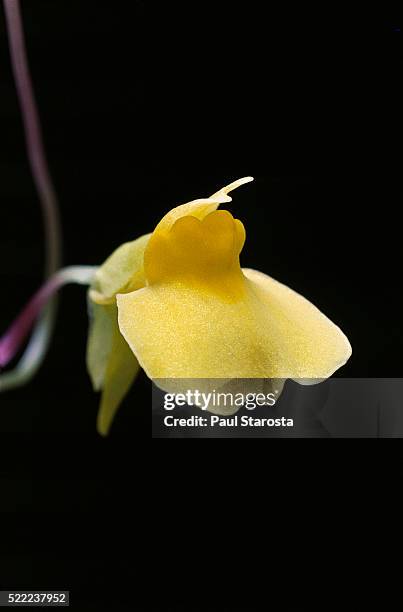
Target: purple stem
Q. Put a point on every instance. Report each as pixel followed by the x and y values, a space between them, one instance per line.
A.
pixel 33 136
pixel 21 326
pixel 11 341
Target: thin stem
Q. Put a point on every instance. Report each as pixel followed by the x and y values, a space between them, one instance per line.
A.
pixel 33 135
pixel 12 340
pixel 39 342
pixel 22 325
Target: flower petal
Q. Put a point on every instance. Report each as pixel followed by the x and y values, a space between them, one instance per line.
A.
pixel 110 362
pixel 99 344
pixel 201 208
pixel 268 331
pixel 122 271
pixel 197 252
pixel 122 368
pixel 316 346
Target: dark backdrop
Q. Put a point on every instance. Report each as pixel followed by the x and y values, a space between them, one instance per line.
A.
pixel 146 106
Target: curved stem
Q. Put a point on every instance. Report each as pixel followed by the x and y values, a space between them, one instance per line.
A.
pixel 39 342
pixel 12 340
pixel 33 135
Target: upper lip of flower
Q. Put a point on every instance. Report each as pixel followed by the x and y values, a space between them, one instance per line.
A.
pixel 202 253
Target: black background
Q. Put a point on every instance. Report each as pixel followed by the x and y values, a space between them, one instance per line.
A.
pixel 146 106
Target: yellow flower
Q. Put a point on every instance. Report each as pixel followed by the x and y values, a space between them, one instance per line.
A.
pixel 187 309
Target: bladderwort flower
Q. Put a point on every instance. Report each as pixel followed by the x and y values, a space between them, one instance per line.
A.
pixel 175 302
pixel 178 304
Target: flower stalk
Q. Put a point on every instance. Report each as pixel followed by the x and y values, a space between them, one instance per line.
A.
pixel 39 341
